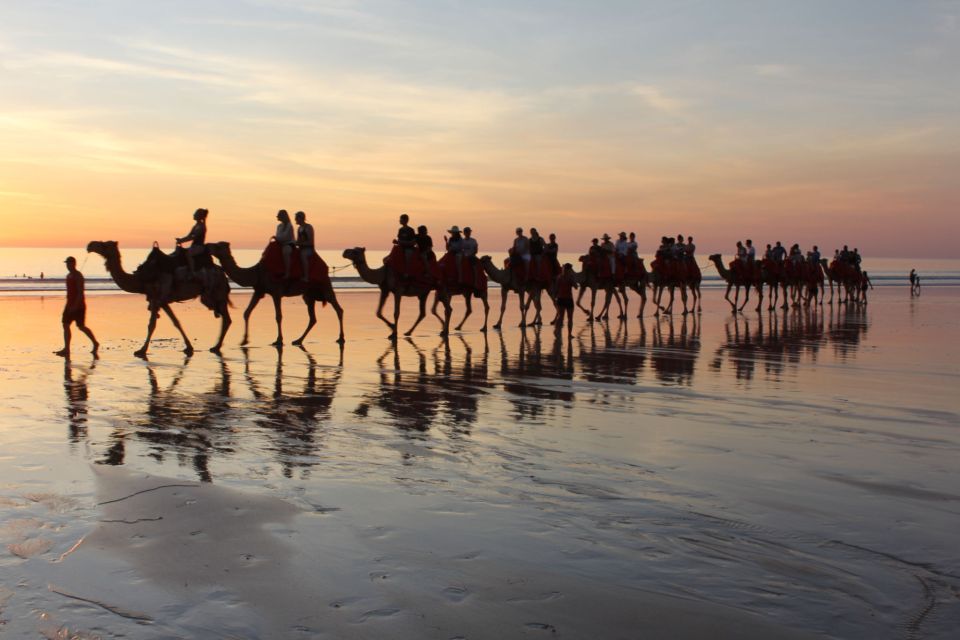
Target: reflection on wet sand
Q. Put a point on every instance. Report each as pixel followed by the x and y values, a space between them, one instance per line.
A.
pixel 294 418
pixel 75 388
pixel 528 375
pixel 786 339
pixel 191 426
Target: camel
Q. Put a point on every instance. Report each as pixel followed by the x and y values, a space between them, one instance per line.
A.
pixel 182 290
pixel 468 294
pixel 835 276
pixel 587 280
pixel 263 284
pixel 508 282
pixel 733 280
pixel 659 282
pixel 390 282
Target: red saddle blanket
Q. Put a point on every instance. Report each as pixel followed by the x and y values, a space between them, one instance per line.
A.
pixel 272 260
pixel 471 275
pixel 544 275
pixel 409 264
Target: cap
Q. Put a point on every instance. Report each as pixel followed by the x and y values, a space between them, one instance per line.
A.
pixel 70 259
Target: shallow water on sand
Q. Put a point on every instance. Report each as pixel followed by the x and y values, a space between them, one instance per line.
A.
pixel 794 469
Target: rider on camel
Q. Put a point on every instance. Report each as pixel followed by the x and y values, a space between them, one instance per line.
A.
pixel 609 252
pixel 306 242
pixel 454 246
pixel 425 247
pixel 536 252
pixel 779 254
pixel 407 241
pixel 284 237
pixel 550 251
pixel 520 251
pixel 197 238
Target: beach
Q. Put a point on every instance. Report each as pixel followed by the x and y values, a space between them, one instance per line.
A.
pixel 763 475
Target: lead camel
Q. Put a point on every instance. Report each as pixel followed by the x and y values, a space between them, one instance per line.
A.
pixel 218 298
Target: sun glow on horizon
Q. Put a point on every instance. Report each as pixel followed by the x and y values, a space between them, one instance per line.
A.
pixel 812 124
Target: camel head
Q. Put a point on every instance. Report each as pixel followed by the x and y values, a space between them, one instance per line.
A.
pixel 218 250
pixel 355 255
pixel 485 259
pixel 105 248
pixel 714 257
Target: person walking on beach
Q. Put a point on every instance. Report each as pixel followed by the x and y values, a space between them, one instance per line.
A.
pixel 566 283
pixel 75 309
pixel 306 242
pixel 914 283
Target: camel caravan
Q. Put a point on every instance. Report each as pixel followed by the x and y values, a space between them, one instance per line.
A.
pixel 290 267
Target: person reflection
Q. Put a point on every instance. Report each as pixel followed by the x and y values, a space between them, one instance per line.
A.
pixel 75 388
pixel 611 359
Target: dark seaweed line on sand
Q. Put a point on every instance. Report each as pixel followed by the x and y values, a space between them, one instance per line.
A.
pixel 163 486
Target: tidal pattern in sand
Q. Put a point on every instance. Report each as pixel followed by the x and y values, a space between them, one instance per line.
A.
pixel 793 469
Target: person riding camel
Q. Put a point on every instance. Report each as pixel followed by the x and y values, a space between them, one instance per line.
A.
pixel 407 241
pixel 284 237
pixel 306 242
pixel 622 246
pixel 520 251
pixel 814 255
pixel 691 248
pixel 609 252
pixel 425 248
pixel 779 254
pixel 536 252
pixel 751 252
pixel 468 251
pixel 768 253
pixel 454 245
pixel 679 248
pixel 197 238
pixel 550 252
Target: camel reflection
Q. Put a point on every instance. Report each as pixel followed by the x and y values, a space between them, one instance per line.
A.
pixel 461 384
pixel 675 349
pixel 530 375
pixel 293 419
pixel 190 426
pixel 783 340
pixel 75 388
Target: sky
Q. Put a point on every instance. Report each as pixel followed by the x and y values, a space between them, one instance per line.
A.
pixel 817 122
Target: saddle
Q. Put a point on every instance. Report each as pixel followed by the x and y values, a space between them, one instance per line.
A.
pixel 272 260
pixel 173 264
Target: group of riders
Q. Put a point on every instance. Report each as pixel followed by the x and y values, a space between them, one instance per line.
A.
pixel 796 266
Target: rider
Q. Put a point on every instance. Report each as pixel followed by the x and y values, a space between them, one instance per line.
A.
pixel 609 253
pixel 622 245
pixel 768 253
pixel 751 252
pixel 306 241
pixel 425 246
pixel 691 248
pixel 536 252
pixel 521 251
pixel 469 249
pixel 779 253
pixel 679 248
pixel 197 238
pixel 455 248
pixel 284 238
pixel 406 240
pixel 815 255
pixel 550 251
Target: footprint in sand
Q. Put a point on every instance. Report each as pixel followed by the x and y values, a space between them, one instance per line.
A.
pixel 456 593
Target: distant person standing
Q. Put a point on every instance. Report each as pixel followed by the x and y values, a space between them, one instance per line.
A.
pixel 565 284
pixel 914 283
pixel 75 309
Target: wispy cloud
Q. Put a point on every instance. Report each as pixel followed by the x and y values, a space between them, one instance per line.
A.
pixel 773 70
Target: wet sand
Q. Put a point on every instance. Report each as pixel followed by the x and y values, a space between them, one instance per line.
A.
pixel 782 475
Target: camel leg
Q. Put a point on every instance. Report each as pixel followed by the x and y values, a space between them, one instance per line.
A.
pixel 278 313
pixel 339 310
pixel 486 311
pixel 254 300
pixel 643 299
pixel 760 298
pixel 504 292
pixel 583 290
pixel 727 296
pixel 420 316
pixel 669 309
pixel 225 322
pixel 188 347
pixel 383 299
pixel 746 296
pixel 312 319
pixel 466 297
pixel 396 314
pixel 433 308
pixel 151 327
pixel 524 303
pixel 538 306
pixel 448 311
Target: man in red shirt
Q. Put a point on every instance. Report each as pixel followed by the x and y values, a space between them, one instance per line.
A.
pixel 565 284
pixel 76 309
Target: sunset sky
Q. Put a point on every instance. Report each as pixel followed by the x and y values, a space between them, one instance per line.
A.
pixel 817 122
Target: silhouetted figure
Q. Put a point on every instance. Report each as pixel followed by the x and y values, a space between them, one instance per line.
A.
pixel 306 242
pixel 284 236
pixel 197 238
pixel 565 284
pixel 75 309
pixel 75 388
pixel 914 283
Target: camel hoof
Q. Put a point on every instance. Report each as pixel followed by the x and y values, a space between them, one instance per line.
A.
pixel 276 343
pixel 215 350
pixel 188 351
pixel 297 343
pixel 483 330
pixel 140 353
pixel 392 336
pixel 244 342
pixel 444 334
pixel 496 327
pixel 407 334
pixel 340 340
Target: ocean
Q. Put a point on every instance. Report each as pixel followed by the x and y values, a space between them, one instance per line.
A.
pixel 37 271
